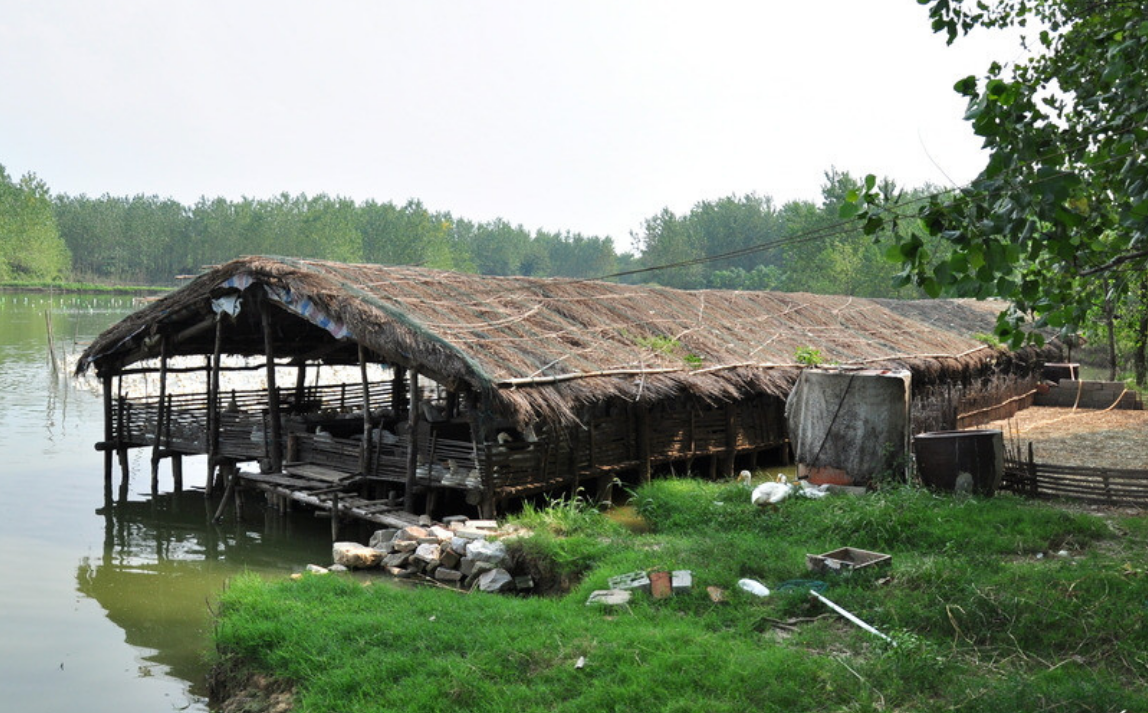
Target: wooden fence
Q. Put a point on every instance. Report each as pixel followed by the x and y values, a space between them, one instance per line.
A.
pixel 1102 486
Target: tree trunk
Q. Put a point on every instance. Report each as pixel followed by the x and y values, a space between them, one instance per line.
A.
pixel 1140 350
pixel 1110 327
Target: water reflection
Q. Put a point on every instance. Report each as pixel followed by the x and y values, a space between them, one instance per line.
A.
pixel 163 562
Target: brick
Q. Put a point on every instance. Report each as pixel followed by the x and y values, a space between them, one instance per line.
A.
pixel 660 585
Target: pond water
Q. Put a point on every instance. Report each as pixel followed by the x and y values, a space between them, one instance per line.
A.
pixel 106 608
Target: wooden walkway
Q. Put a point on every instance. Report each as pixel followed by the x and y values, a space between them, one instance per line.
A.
pixel 329 491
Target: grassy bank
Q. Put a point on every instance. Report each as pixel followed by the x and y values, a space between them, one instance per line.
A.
pixel 81 287
pixel 985 614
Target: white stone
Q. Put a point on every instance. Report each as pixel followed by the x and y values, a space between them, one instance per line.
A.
pixel 486 551
pixel 354 555
pixel 316 569
pixel 441 533
pixel 428 553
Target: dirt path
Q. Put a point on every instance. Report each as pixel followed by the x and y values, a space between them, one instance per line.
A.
pixel 1116 439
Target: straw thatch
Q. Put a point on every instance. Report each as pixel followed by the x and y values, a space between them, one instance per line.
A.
pixel 542 348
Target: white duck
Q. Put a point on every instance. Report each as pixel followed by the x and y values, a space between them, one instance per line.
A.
pixel 771 493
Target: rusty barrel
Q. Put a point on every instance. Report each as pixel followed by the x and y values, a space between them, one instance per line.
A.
pixel 960 460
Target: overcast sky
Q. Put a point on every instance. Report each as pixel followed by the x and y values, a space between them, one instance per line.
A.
pixel 584 116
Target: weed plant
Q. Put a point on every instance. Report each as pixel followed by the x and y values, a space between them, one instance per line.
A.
pixel 983 613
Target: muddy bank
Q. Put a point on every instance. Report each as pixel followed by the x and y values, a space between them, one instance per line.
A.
pixel 233 688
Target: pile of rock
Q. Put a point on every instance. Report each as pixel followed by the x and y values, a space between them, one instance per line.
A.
pixel 458 552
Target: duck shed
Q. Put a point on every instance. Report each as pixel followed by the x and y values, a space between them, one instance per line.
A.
pixel 468 390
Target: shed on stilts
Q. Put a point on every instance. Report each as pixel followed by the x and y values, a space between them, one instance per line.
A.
pixel 472 391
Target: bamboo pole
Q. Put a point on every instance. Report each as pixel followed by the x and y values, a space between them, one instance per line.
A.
pixel 276 453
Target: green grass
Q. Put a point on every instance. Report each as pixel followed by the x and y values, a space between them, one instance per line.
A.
pixel 982 623
pixel 86 287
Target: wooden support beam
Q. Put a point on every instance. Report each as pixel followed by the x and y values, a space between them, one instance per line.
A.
pixel 730 441
pixel 160 405
pixel 177 471
pixel 645 468
pixel 300 383
pixel 365 446
pixel 109 434
pixel 276 454
pixel 412 441
pixel 213 415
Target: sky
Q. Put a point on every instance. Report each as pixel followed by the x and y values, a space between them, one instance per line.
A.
pixel 584 116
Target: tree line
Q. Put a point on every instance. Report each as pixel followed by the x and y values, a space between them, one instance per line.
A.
pixel 799 246
pixel 745 242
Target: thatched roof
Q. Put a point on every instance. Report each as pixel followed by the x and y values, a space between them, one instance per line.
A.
pixel 543 347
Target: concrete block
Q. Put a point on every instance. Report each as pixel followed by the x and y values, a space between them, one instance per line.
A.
pixel 609 597
pixel 632 580
pixel 682 581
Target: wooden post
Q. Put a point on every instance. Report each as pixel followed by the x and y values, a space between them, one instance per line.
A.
pixel 730 441
pixel 121 425
pixel 398 398
pixel 161 403
pixel 645 470
pixel 177 472
pixel 227 468
pixel 109 435
pixel 334 516
pixel 276 454
pixel 365 446
pixel 300 384
pixel 412 441
pixel 213 407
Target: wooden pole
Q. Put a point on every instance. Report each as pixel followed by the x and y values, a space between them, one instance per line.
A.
pixel 213 407
pixel 730 441
pixel 177 472
pixel 365 446
pixel 161 403
pixel 334 516
pixel 276 449
pixel 397 383
pixel 412 441
pixel 300 384
pixel 109 435
pixel 645 469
